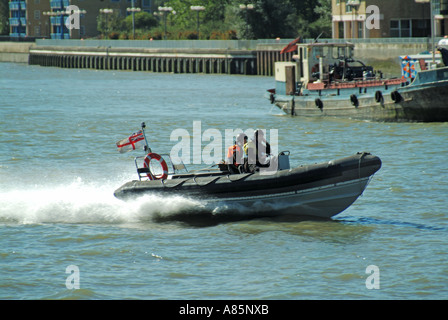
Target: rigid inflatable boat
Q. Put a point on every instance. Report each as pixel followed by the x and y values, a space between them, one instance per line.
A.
pixel 319 190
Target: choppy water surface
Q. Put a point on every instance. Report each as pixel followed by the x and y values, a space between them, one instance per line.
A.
pixel 59 167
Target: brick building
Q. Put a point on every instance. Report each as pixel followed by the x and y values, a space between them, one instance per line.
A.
pixel 46 18
pixel 397 18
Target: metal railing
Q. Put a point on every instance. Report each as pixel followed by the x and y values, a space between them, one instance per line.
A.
pixel 215 44
pixel 156 44
pixel 356 40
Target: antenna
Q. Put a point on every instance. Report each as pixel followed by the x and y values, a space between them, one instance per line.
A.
pixel 147 148
pixel 315 40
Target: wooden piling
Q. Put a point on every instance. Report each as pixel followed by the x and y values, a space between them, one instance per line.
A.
pixel 211 61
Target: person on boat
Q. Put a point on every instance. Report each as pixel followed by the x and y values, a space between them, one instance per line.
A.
pixel 444 41
pixel 257 150
pixel 444 53
pixel 235 154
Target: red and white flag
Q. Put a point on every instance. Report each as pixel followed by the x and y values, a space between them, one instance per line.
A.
pixel 136 140
pixel 292 46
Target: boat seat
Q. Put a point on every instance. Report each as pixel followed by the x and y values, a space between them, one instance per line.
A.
pixel 180 166
pixel 193 174
pixel 142 172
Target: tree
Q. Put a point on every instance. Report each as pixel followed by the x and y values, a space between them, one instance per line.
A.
pixel 281 18
pixel 268 19
pixel 4 17
pixel 185 18
pixel 323 23
pixel 108 22
pixel 308 18
pixel 276 19
pixel 143 21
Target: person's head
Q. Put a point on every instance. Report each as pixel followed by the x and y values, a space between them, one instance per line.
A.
pixel 241 139
pixel 258 134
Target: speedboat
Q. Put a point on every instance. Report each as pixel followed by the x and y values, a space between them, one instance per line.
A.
pixel 320 190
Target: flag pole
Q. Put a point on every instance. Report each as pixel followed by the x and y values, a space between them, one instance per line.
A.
pixel 147 148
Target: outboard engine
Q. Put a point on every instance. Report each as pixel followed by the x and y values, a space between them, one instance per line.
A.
pixel 283 161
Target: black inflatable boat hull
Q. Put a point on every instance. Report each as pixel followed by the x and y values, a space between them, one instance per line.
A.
pixel 320 190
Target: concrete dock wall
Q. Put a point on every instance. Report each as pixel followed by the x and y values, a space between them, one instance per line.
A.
pixel 247 57
pixel 140 59
pixel 15 51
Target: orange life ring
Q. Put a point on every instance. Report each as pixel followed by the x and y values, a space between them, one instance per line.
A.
pixel 155 156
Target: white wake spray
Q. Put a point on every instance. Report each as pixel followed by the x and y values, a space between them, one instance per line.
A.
pixel 79 202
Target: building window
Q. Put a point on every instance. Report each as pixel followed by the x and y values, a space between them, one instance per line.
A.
pixel 351 4
pixel 421 28
pixel 341 30
pixel 394 28
pixel 400 28
pixel 37 14
pixel 405 28
pixel 360 29
pixel 348 8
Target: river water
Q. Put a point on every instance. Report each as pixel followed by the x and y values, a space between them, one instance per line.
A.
pixel 59 167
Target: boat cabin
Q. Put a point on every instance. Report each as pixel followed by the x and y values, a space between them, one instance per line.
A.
pixel 411 65
pixel 319 63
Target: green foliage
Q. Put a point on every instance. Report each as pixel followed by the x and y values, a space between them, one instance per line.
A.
pixel 143 21
pixel 187 18
pixel 107 23
pixel 4 17
pixel 323 23
pixel 282 18
pixel 224 19
pixel 221 19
